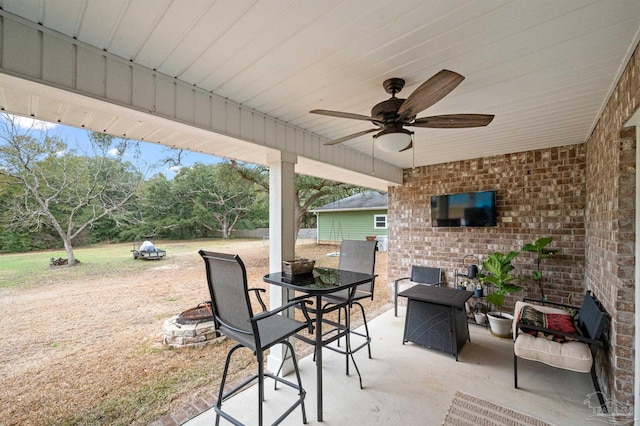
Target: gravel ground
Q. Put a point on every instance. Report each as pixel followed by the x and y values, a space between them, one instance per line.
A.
pixel 72 349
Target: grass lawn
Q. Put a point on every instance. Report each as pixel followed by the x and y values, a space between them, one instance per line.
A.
pixel 83 345
pixel 110 259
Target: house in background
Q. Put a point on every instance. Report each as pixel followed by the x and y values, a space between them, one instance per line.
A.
pixel 354 218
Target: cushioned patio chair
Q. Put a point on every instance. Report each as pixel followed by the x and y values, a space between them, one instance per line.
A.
pixel 561 336
pixel 234 317
pixel 424 275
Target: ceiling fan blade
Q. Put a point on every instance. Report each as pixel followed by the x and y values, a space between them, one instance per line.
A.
pixel 428 93
pixel 343 115
pixel 409 147
pixel 352 136
pixel 453 121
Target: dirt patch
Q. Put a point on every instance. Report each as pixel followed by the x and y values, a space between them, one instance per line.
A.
pixel 91 352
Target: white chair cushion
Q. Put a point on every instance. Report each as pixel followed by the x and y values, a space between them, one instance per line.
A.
pixel 574 356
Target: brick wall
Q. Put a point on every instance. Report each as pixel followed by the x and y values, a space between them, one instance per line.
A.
pixel 582 195
pixel 610 233
pixel 538 193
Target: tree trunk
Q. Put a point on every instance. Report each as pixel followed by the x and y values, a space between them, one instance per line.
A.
pixel 224 229
pixel 71 258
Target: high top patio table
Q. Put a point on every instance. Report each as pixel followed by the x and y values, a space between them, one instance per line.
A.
pixel 321 282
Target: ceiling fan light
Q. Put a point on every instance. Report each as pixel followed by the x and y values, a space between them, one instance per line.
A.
pixel 393 141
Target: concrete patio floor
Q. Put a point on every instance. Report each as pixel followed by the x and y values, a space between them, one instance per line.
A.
pixel 409 384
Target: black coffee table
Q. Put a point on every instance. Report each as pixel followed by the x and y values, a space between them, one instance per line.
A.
pixel 436 318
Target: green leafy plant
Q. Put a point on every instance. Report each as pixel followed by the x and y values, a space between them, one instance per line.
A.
pixel 496 271
pixel 540 248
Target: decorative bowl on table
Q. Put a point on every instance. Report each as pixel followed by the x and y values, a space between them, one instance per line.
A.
pixel 330 277
pixel 298 266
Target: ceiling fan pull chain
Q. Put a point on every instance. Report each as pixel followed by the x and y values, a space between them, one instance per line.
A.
pixel 413 154
pixel 373 156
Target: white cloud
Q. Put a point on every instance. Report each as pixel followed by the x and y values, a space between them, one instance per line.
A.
pixel 114 152
pixel 28 122
pixel 175 169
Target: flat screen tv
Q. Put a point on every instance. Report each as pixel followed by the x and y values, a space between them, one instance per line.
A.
pixel 469 209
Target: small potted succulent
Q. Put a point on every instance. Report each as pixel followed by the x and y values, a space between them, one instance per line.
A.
pixel 478 291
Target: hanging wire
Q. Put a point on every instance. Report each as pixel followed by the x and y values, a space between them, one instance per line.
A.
pixel 373 156
pixel 413 153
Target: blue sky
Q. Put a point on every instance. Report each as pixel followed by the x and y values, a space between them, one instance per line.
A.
pixel 152 152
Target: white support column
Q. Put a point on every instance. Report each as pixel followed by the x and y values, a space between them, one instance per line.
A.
pixel 282 238
pixel 636 342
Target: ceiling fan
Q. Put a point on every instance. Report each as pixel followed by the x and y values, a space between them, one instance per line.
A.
pixel 393 115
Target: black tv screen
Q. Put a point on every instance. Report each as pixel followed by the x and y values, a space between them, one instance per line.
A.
pixel 468 209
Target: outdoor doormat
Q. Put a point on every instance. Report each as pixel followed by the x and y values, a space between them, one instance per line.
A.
pixel 470 410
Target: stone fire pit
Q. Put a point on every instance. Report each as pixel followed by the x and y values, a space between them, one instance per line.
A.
pixel 192 328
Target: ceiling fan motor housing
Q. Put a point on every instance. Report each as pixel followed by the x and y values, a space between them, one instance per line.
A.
pixel 387 111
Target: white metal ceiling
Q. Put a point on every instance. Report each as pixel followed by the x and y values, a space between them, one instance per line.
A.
pixel 544 68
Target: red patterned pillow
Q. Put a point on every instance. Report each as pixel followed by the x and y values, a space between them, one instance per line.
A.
pixel 556 322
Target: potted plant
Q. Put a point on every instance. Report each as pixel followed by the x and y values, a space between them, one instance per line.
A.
pixel 542 252
pixel 479 313
pixel 478 291
pixel 496 271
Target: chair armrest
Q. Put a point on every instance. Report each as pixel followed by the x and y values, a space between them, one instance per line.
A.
pixel 553 304
pixel 400 279
pixel 573 336
pixel 257 292
pixel 302 301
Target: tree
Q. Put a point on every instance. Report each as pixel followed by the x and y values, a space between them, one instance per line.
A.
pixel 213 197
pixel 310 191
pixel 162 212
pixel 62 191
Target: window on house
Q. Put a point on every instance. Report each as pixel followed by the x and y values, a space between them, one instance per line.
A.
pixel 380 221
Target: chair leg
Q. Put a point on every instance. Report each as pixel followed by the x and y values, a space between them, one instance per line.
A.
pixel 302 392
pixel 366 328
pixel 260 385
pixel 347 337
pixel 350 354
pixel 340 321
pixel 223 382
pixel 515 371
pixel 395 299
pixel 596 385
pixel 348 351
pixel 284 358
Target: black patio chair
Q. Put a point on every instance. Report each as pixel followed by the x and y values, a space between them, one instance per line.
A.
pixel 356 256
pixel 571 344
pixel 234 317
pixel 425 275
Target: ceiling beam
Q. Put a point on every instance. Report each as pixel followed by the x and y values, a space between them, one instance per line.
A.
pixel 53 77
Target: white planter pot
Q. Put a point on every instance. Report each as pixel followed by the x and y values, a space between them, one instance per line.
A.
pixel 480 318
pixel 500 325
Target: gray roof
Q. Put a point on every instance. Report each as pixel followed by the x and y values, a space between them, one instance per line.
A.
pixel 370 200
